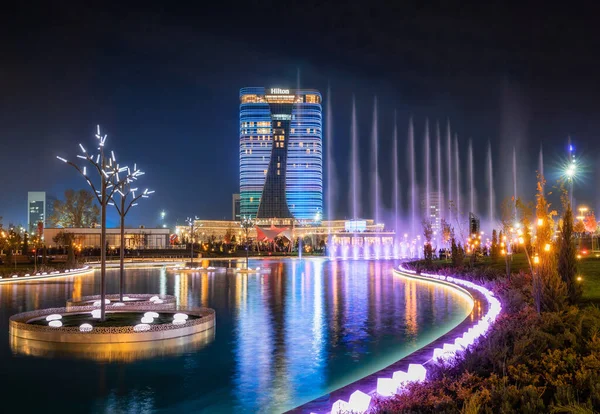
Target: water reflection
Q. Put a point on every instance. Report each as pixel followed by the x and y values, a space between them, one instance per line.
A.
pixel 283 338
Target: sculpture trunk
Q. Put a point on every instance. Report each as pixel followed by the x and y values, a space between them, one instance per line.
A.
pixel 103 252
pixel 122 252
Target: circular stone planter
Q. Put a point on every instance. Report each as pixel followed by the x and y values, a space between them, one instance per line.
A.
pixel 32 325
pixel 112 352
pixel 132 301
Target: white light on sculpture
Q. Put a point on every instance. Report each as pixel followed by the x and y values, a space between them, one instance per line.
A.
pixel 158 301
pixel 179 321
pixel 147 319
pixel 53 317
pixel 153 298
pixel 180 316
pixel 118 304
pixel 55 324
pixel 85 327
pixel 98 302
pixel 142 327
pixel 151 314
pixel 96 313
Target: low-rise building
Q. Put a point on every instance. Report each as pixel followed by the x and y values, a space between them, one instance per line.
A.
pixel 138 238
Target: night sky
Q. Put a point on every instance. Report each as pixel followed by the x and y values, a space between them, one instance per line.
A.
pixel 163 82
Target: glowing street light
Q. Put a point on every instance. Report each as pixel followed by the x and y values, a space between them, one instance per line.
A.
pixel 247 223
pixel 191 223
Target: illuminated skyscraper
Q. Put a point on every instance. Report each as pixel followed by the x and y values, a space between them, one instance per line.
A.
pixel 281 168
pixel 36 209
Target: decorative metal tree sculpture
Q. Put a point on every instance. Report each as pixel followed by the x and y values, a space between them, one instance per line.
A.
pixel 128 199
pixel 191 223
pixel 109 181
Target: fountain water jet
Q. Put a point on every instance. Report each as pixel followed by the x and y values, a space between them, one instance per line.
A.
pixel 330 166
pixel 396 186
pixel 427 212
pixel 354 164
pixel 541 161
pixel 471 179
pixel 457 171
pixel 374 163
pixel 413 178
pixel 515 178
pixel 490 174
pixel 439 170
pixel 449 155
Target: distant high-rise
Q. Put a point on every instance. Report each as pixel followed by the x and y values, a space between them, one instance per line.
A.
pixel 235 207
pixel 432 212
pixel 281 165
pixel 36 209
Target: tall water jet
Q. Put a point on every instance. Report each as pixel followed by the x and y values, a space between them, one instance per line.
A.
pixel 438 158
pixel 490 174
pixel 541 161
pixel 396 189
pixel 514 166
pixel 413 177
pixel 375 164
pixel 330 167
pixel 427 211
pixel 457 171
pixel 396 178
pixel 471 179
pixel 449 161
pixel 355 180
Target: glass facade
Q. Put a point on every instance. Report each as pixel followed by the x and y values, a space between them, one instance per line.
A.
pixel 36 209
pixel 281 169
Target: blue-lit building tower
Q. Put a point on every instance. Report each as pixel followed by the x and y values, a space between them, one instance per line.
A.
pixel 281 163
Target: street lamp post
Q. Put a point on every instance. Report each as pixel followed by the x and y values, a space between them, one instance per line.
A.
pixel 247 223
pixel 190 223
pixel 108 172
pixel 125 191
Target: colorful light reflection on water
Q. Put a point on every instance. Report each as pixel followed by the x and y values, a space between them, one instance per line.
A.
pixel 281 339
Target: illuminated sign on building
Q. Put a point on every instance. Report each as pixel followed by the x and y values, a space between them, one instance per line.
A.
pixel 278 91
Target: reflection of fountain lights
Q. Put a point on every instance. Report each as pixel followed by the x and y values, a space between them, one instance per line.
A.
pixel 181 316
pixel 55 324
pixel 85 327
pixel 179 321
pixel 147 319
pixel 53 317
pixel 151 315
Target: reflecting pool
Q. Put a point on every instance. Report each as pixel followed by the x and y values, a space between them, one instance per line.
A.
pixel 281 339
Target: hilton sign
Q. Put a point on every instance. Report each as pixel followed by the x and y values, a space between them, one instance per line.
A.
pixel 278 91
